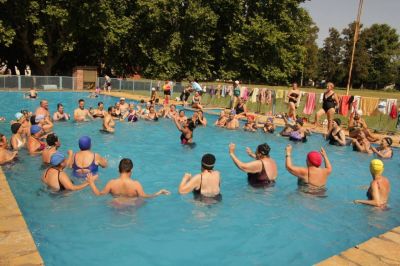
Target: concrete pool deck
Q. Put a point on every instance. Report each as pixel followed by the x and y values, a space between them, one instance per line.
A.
pixel 381 250
pixel 16 243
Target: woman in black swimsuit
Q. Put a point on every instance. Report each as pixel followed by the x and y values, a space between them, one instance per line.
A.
pixel 329 103
pixel 206 185
pixel 56 179
pixel 293 95
pixel 336 136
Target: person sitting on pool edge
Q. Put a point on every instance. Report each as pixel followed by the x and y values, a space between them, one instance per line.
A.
pixel 312 176
pixel 206 185
pixel 261 172
pixel 124 185
pixel 6 156
pixel 55 177
pixel 86 157
pixel 379 189
pixel 108 121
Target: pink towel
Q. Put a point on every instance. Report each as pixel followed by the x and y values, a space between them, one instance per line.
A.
pixel 245 94
pixel 310 104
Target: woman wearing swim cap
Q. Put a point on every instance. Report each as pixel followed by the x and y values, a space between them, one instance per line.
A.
pixel 261 172
pixel 379 189
pixel 18 141
pixel 313 176
pixel 85 161
pixel 384 151
pixel 206 185
pixel 35 145
pixel 55 177
pixel 53 143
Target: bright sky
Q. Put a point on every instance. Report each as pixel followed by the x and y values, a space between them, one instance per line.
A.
pixel 339 13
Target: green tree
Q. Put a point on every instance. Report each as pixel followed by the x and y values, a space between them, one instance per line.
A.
pixel 331 58
pixel 310 71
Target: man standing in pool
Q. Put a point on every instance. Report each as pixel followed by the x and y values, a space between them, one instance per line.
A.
pixel 43 109
pixel 124 185
pixel 261 172
pixel 108 121
pixel 312 176
pixel 81 114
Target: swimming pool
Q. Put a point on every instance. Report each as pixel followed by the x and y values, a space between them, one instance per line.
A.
pixel 276 226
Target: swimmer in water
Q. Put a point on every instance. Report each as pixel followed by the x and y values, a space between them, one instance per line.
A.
pixel 18 139
pixel 124 106
pixel 171 112
pixel 53 143
pixel 35 145
pixel 206 185
pixel 384 151
pixel 201 119
pixel 362 144
pixel 379 189
pixel 124 185
pixel 32 94
pixel 187 130
pixel 313 176
pixel 85 161
pixel 221 121
pixel 182 118
pixel 55 177
pixel 43 109
pixel 99 112
pixel 81 114
pixel 60 115
pixel 262 172
pixel 131 115
pixel 232 122
pixel 108 121
pixel 6 156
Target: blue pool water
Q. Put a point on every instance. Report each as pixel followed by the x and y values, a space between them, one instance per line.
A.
pixel 276 226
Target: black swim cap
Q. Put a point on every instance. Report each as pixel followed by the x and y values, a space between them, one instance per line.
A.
pixel 51 139
pixel 208 161
pixel 15 127
pixel 389 141
pixel 263 149
pixel 338 121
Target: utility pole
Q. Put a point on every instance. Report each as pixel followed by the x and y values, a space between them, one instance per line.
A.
pixel 356 32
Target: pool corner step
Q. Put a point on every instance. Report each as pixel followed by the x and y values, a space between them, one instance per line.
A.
pixel 16 243
pixel 381 250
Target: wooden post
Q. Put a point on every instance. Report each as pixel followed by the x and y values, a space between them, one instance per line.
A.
pixel 357 29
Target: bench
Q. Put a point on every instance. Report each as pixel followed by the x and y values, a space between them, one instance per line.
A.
pixel 49 87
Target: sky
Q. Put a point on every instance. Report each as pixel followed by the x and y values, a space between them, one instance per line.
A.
pixel 339 13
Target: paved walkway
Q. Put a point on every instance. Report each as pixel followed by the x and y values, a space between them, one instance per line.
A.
pixel 16 243
pixel 380 250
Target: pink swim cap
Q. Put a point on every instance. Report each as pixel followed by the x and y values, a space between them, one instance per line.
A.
pixel 314 158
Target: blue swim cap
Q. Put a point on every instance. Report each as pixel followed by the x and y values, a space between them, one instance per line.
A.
pixel 35 129
pixel 84 143
pixel 57 158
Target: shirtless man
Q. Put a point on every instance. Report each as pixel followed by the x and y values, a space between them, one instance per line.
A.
pixel 379 189
pixel 311 176
pixel 60 115
pixel 99 112
pixel 6 155
pixel 43 109
pixel 124 186
pixel 124 106
pixel 81 114
pixel 261 172
pixel 232 122
pixel 108 121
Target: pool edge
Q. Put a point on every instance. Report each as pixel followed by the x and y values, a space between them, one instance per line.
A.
pixel 383 249
pixel 17 246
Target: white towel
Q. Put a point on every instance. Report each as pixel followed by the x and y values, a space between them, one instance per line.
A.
pixel 390 103
pixel 321 98
pixel 356 103
pixel 254 95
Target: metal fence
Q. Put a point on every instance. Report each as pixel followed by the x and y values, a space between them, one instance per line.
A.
pixel 69 83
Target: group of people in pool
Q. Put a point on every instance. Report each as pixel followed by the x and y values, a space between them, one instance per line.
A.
pixel 33 131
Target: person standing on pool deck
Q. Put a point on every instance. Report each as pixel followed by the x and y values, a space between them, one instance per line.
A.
pixel 108 121
pixel 261 172
pixel 85 161
pixel 81 114
pixel 6 156
pixel 206 185
pixel 55 177
pixel 311 176
pixel 379 189
pixel 329 102
pixel 124 185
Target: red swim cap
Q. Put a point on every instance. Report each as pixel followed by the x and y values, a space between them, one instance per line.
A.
pixel 314 158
